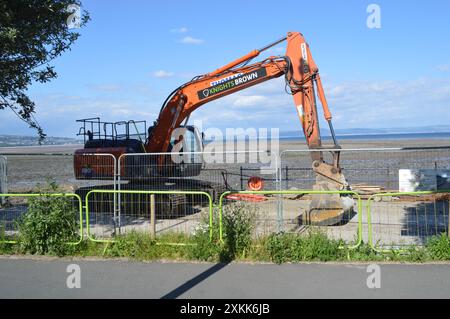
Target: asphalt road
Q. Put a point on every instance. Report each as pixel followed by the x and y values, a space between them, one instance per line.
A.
pixel 47 278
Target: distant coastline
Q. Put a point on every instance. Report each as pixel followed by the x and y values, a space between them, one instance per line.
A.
pixel 358 137
pixel 287 137
pixel 380 137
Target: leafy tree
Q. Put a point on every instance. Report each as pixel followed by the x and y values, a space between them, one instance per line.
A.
pixel 32 34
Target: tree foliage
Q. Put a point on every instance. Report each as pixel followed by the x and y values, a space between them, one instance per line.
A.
pixel 32 34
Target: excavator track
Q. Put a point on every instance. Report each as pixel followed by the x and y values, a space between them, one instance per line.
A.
pixel 167 205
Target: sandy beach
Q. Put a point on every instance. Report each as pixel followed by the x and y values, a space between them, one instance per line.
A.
pixel 28 166
pixel 284 144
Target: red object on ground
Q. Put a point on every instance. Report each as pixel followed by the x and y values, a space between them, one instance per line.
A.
pixel 247 197
pixel 255 183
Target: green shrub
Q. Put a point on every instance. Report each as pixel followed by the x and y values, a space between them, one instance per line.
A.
pixel 140 246
pixel 204 248
pixel 439 247
pixel 131 245
pixel 238 225
pixel 3 236
pixel 417 254
pixel 279 247
pixel 317 246
pixel 238 221
pixel 364 252
pixel 50 223
pixel 313 246
pixel 5 248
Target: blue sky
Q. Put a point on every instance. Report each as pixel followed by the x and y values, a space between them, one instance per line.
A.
pixel 132 54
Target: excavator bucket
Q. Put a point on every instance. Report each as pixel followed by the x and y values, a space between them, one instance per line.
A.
pixel 327 209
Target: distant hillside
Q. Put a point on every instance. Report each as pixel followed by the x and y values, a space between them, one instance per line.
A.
pixel 376 131
pixel 396 130
pixel 17 140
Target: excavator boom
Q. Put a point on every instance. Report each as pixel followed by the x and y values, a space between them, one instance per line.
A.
pixel 302 79
pixel 303 83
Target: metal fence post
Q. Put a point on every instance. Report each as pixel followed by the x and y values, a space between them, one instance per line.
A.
pixel 116 179
pixel 279 196
pixel 152 216
pixel 3 178
pixel 118 188
pixel 241 178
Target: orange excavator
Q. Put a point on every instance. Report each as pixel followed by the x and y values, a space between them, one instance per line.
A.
pixel 302 82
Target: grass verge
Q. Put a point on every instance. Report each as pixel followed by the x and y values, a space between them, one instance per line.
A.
pixel 46 229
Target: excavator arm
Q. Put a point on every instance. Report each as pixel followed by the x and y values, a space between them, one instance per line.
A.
pixel 302 81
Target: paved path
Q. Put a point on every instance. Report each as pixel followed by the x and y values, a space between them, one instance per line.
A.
pixel 46 278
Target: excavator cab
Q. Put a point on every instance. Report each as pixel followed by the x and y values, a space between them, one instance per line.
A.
pixel 111 138
pixel 185 158
pixel 130 137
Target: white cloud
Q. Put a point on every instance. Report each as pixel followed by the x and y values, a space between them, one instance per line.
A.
pixel 371 104
pixel 390 103
pixel 443 68
pixel 105 87
pixel 179 30
pixel 139 88
pixel 250 100
pixel 163 74
pixel 57 112
pixel 191 40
